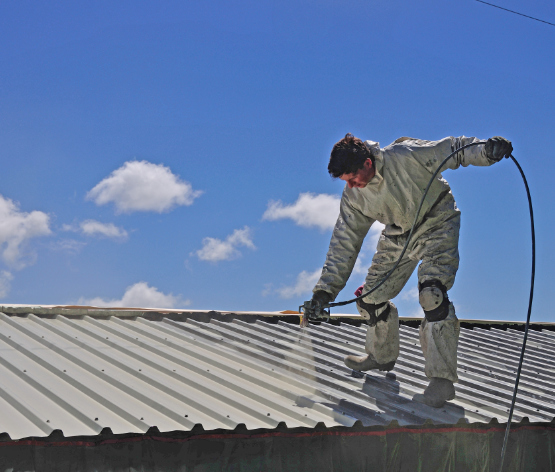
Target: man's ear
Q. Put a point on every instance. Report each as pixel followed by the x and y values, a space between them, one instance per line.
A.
pixel 368 163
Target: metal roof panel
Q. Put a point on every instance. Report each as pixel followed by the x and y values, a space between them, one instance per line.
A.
pixel 80 374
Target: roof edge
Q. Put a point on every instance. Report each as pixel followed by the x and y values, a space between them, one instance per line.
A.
pixel 249 316
pixel 198 432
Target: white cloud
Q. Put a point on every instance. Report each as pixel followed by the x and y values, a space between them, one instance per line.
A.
pixel 5 279
pixel 71 246
pixel 309 210
pixel 368 249
pixel 96 228
pixel 139 295
pixel 304 284
pixel 214 250
pixel 307 280
pixel 16 228
pixel 143 186
pixel 410 294
pixel 408 303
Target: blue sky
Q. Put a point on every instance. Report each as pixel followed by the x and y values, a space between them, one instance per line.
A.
pixel 174 153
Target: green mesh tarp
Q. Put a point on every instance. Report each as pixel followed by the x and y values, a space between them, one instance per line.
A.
pixel 426 448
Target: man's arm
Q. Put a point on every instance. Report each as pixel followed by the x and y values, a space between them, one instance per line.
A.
pixel 347 238
pixel 431 153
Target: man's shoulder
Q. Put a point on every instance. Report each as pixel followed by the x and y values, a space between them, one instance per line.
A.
pixel 406 141
pixel 404 138
pixel 405 145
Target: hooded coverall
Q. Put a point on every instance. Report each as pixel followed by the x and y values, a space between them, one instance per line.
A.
pixel 403 170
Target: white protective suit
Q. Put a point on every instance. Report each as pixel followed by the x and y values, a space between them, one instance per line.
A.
pixel 403 170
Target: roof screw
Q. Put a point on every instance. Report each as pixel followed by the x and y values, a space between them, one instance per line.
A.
pixel 96 419
pixel 268 414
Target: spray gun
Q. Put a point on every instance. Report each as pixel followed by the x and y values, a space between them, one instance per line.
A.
pixel 314 310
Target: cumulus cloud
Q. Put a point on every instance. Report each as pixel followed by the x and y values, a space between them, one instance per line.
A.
pixel 307 280
pixel 70 246
pixel 407 302
pixel 368 249
pixel 309 210
pixel 96 228
pixel 304 284
pixel 5 279
pixel 16 229
pixel 409 294
pixel 139 295
pixel 214 250
pixel 143 186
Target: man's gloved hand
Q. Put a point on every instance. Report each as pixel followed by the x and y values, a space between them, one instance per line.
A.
pixel 321 297
pixel 497 148
pixel 313 309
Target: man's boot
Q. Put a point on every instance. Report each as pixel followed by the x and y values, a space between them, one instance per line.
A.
pixel 363 363
pixel 439 390
pixel 382 337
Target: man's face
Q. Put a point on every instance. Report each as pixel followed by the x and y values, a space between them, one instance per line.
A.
pixel 361 177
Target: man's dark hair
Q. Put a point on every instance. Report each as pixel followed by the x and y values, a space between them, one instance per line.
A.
pixel 347 156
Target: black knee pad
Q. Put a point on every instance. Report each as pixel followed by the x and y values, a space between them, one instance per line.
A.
pixel 371 309
pixel 436 305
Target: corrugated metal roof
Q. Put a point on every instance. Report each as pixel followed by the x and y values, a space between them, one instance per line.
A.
pixel 82 374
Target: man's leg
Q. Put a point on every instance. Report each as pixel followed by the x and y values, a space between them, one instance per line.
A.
pixel 382 335
pixel 439 332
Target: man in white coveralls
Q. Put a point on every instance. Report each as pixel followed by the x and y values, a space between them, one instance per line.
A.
pixel 387 185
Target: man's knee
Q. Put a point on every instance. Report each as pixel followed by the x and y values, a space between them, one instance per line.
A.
pixel 373 312
pixel 433 300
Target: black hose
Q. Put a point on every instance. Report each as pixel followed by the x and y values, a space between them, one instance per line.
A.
pixel 504 448
pixel 506 438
